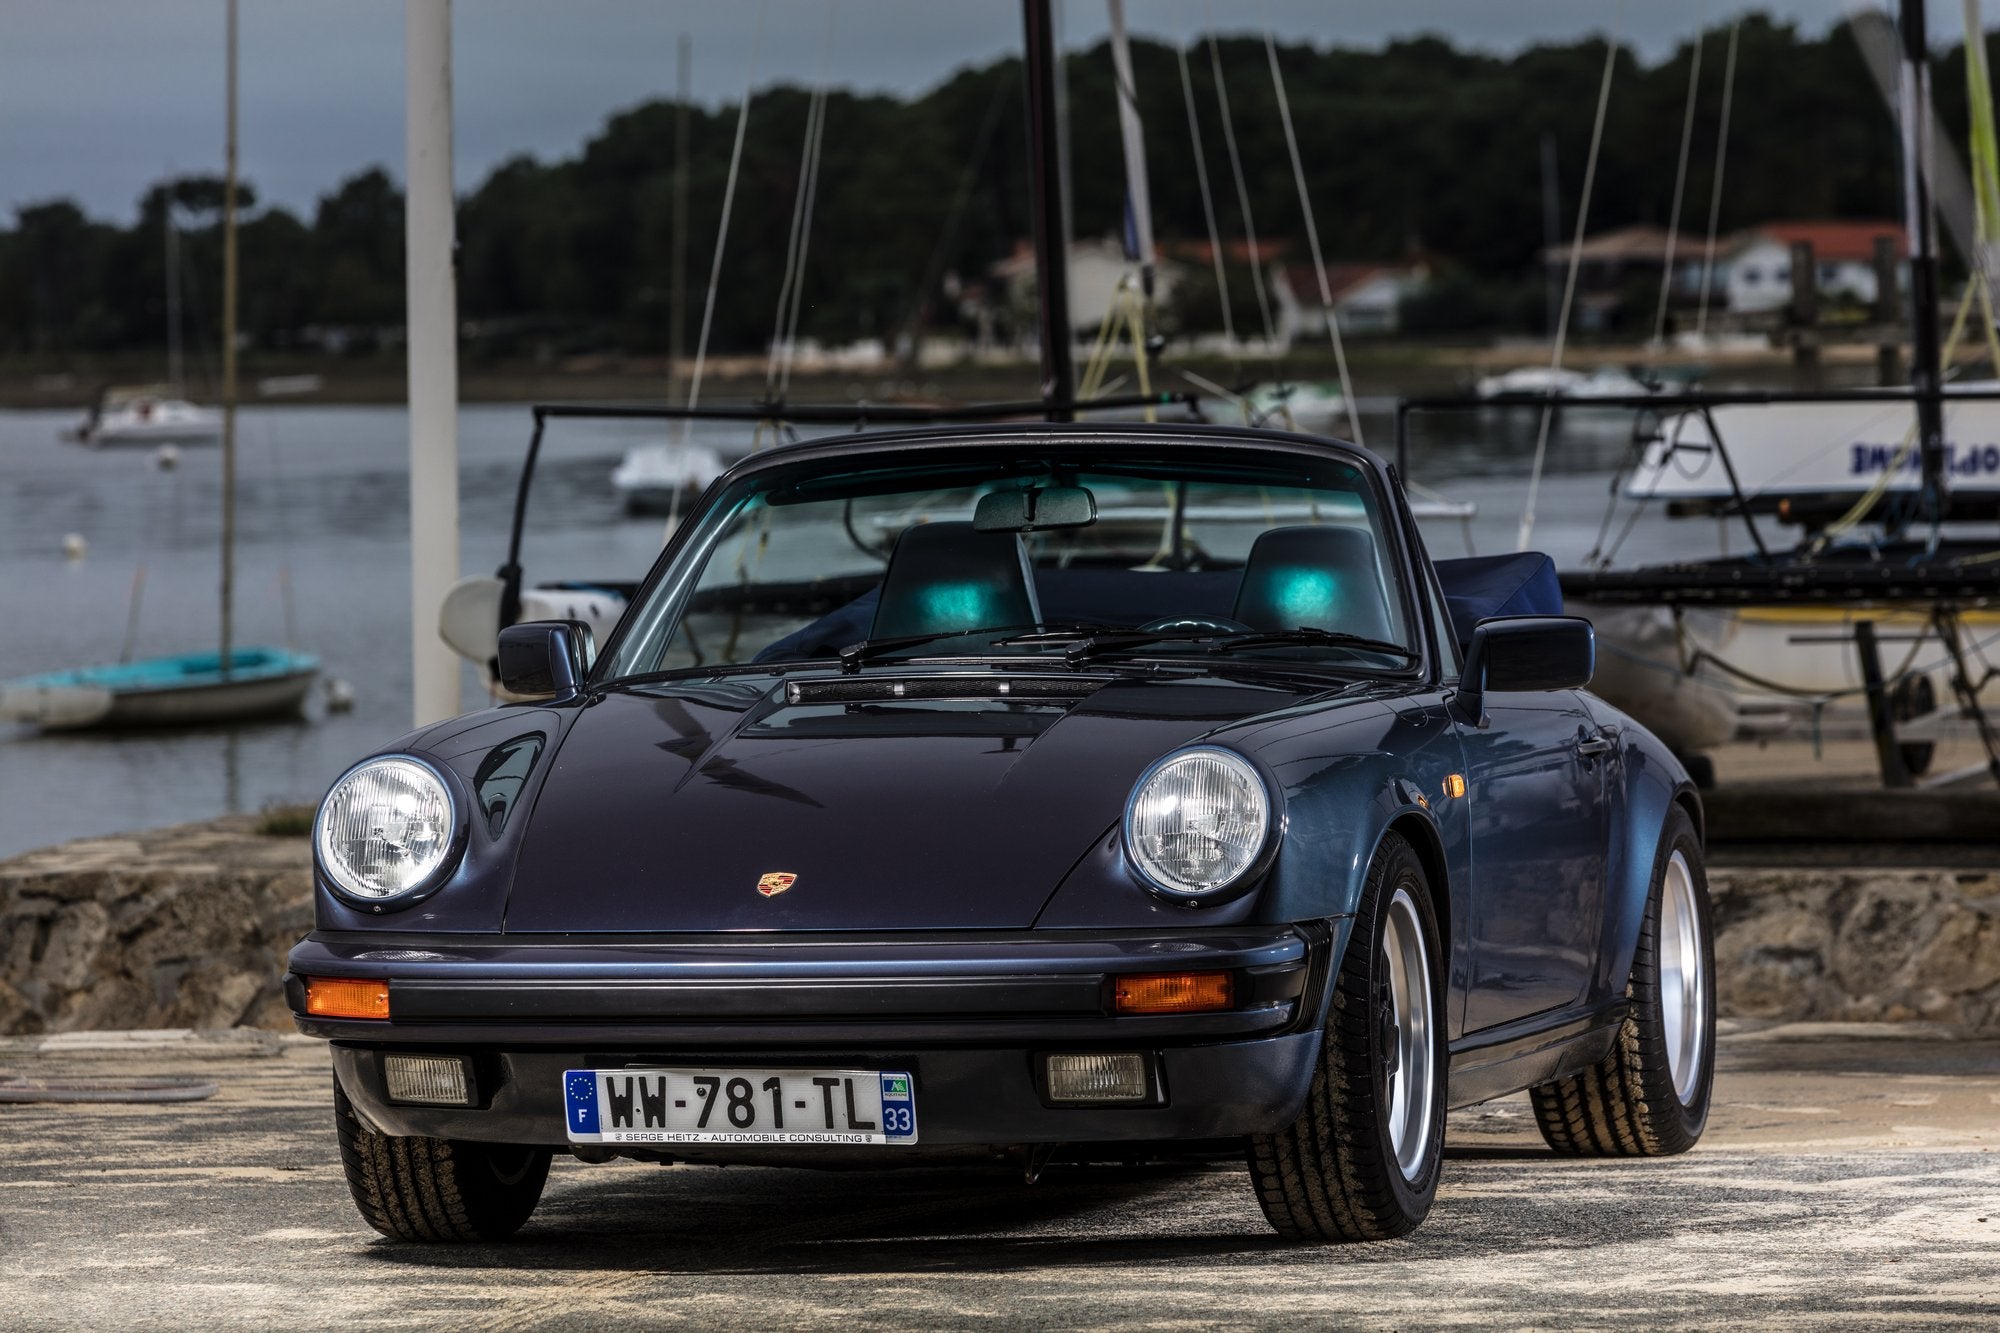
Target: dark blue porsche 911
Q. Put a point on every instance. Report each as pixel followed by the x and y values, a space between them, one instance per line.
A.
pixel 1088 792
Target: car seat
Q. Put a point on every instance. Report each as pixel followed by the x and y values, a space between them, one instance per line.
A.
pixel 949 577
pixel 1317 577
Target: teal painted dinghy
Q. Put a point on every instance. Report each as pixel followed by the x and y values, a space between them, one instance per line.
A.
pixel 184 690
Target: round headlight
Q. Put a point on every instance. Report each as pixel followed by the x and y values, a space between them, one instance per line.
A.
pixel 1197 823
pixel 386 830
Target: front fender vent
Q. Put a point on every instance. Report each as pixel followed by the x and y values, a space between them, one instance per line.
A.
pixel 877 689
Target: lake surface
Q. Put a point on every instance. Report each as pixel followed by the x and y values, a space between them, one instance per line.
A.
pixel 323 511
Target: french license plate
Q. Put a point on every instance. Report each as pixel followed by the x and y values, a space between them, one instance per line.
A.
pixel 739 1106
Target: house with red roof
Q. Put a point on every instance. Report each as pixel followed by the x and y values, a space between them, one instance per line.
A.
pixel 1754 271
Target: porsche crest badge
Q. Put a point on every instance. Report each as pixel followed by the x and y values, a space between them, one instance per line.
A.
pixel 775 883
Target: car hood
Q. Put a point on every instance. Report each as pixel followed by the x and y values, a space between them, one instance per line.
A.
pixel 876 807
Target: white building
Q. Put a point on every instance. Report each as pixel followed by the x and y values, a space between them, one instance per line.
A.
pixel 1754 272
pixel 1096 268
pixel 1367 298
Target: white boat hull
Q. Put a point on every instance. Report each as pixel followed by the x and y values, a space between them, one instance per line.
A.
pixel 150 422
pixel 1792 449
pixel 79 707
pixel 1808 651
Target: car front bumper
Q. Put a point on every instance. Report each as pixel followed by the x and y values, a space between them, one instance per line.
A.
pixel 970 1016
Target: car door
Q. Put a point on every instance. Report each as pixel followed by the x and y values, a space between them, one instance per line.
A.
pixel 1540 835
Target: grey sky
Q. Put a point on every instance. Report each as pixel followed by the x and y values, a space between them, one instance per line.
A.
pixel 100 97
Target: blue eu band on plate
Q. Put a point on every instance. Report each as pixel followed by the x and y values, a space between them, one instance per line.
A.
pixel 739 1106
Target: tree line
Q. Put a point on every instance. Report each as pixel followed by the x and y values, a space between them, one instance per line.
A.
pixel 1419 149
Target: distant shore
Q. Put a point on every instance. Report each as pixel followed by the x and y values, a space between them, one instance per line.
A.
pixel 1378 367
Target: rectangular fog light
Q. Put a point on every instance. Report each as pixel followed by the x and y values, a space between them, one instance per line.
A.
pixel 432 1080
pixel 1098 1078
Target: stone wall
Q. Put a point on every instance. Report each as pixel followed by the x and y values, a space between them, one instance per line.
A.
pixel 188 927
pixel 178 927
pixel 1859 945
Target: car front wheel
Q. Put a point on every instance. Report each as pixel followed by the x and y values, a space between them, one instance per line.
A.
pixel 1649 1096
pixel 1361 1161
pixel 424 1189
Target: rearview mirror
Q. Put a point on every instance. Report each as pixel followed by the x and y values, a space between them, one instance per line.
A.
pixel 545 657
pixel 1035 510
pixel 1529 653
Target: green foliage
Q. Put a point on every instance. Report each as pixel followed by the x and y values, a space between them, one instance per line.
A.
pixel 1418 149
pixel 279 820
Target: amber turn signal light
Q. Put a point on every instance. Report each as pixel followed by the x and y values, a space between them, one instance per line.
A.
pixel 1174 993
pixel 335 997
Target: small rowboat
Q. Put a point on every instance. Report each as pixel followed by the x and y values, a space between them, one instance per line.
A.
pixel 185 690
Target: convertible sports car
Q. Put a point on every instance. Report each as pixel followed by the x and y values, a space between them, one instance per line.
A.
pixel 1054 791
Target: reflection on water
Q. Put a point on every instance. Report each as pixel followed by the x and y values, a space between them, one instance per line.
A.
pixel 323 507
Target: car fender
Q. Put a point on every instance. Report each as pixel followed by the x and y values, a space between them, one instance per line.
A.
pixel 1386 769
pixel 474 895
pixel 1645 782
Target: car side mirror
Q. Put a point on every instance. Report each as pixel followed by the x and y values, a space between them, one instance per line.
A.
pixel 545 657
pixel 1527 653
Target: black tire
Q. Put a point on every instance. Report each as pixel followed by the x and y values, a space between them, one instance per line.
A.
pixel 1627 1105
pixel 424 1189
pixel 1333 1173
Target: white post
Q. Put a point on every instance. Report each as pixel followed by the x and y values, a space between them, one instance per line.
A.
pixel 433 353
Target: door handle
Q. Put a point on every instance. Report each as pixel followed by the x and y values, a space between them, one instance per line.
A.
pixel 1590 747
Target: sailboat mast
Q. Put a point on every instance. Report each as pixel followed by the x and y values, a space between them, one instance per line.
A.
pixel 677 290
pixel 1926 376
pixel 1045 181
pixel 229 356
pixel 173 290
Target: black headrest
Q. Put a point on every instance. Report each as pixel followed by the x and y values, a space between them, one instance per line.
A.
pixel 1318 577
pixel 946 576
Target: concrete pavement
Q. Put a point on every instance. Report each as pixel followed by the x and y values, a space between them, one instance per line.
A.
pixel 1849 1176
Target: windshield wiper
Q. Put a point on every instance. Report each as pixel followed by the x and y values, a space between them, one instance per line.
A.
pixel 1112 640
pixel 852 656
pixel 1331 637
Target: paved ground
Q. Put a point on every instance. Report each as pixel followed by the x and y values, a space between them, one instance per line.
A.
pixel 1849 1176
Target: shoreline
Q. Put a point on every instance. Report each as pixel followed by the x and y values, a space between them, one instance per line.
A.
pixel 1378 369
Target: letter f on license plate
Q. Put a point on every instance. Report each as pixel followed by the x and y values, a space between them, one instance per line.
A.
pixel 837 1106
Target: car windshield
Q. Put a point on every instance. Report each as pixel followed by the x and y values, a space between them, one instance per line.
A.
pixel 1181 551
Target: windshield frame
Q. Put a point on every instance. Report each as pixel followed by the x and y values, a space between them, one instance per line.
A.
pixel 679 566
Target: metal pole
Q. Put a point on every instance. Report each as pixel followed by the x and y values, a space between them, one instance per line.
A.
pixel 229 356
pixel 433 353
pixel 677 283
pixel 174 360
pixel 1914 100
pixel 1051 260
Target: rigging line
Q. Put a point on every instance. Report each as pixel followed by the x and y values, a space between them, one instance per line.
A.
pixel 722 227
pixel 817 138
pixel 792 243
pixel 955 214
pixel 1243 202
pixel 1680 182
pixel 1715 189
pixel 1207 200
pixel 1569 288
pixel 805 241
pixel 1312 240
pixel 721 243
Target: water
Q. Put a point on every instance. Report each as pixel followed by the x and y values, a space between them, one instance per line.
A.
pixel 323 506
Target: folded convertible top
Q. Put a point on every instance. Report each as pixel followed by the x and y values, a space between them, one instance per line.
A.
pixel 1519 584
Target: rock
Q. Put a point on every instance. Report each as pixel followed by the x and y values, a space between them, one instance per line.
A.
pixel 181 927
pixel 188 928
pixel 1819 944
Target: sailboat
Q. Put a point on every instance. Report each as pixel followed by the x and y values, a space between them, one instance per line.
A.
pixel 229 684
pixel 153 413
pixel 1884 486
